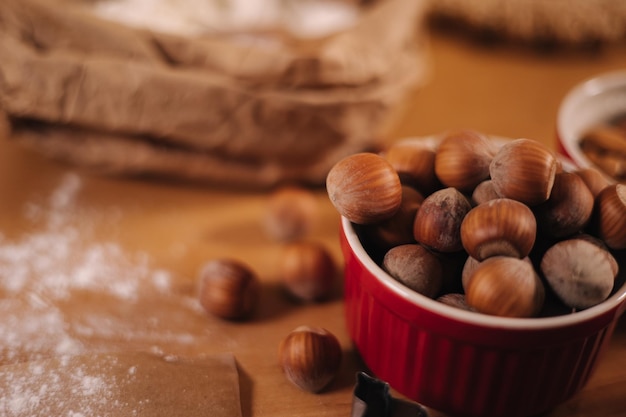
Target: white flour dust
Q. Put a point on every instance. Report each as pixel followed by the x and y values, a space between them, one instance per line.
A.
pixel 78 390
pixel 56 261
pixel 32 393
pixel 42 270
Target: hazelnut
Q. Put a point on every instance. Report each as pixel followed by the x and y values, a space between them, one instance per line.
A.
pixel 499 227
pixel 462 159
pixel 414 161
pixel 291 213
pixel 228 289
pixel 524 170
pixel 600 243
pixel 310 357
pixel 468 269
pixel 455 300
pixel 398 229
pixel 609 217
pixel 437 223
pixel 568 209
pixel 308 271
pixel 364 188
pixel 505 286
pixel 579 271
pixel 416 267
pixel 471 264
pixel 594 179
pixel 484 192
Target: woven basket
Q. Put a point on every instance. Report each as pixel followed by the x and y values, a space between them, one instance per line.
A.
pixel 122 100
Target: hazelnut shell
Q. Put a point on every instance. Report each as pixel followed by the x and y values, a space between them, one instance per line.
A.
pixel 505 286
pixel 415 164
pixel 462 159
pixel 438 221
pixel 291 213
pixel 524 170
pixel 308 271
pixel 499 227
pixel 228 289
pixel 398 229
pixel 609 218
pixel 364 188
pixel 310 357
pixel 568 209
pixel 415 267
pixel 579 272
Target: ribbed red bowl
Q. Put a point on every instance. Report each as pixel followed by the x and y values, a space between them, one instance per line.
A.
pixel 464 363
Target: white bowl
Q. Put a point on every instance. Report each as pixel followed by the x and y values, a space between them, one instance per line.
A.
pixel 593 101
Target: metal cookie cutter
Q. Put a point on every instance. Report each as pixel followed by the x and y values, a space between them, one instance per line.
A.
pixel 372 399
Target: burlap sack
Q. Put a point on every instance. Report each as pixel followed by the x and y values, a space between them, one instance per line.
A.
pixel 559 22
pixel 127 101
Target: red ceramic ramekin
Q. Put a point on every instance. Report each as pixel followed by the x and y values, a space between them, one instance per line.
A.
pixel 591 102
pixel 464 363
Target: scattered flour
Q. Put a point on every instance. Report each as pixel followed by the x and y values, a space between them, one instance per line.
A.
pixel 56 261
pixel 41 271
pixel 76 389
pixel 61 289
pixel 29 328
pixel 303 18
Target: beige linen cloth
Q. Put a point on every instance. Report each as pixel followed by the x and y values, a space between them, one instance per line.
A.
pixel 563 22
pixel 119 100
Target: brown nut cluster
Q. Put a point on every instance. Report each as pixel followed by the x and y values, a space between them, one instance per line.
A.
pixel 308 271
pixel 520 223
pixel 291 213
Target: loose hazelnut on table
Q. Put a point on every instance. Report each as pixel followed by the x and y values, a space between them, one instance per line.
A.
pixel 228 289
pixel 292 212
pixel 308 271
pixel 310 357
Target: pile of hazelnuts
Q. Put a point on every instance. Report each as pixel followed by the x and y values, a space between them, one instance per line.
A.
pixel 491 226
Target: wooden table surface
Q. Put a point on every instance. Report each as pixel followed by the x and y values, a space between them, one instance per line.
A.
pixel 508 91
